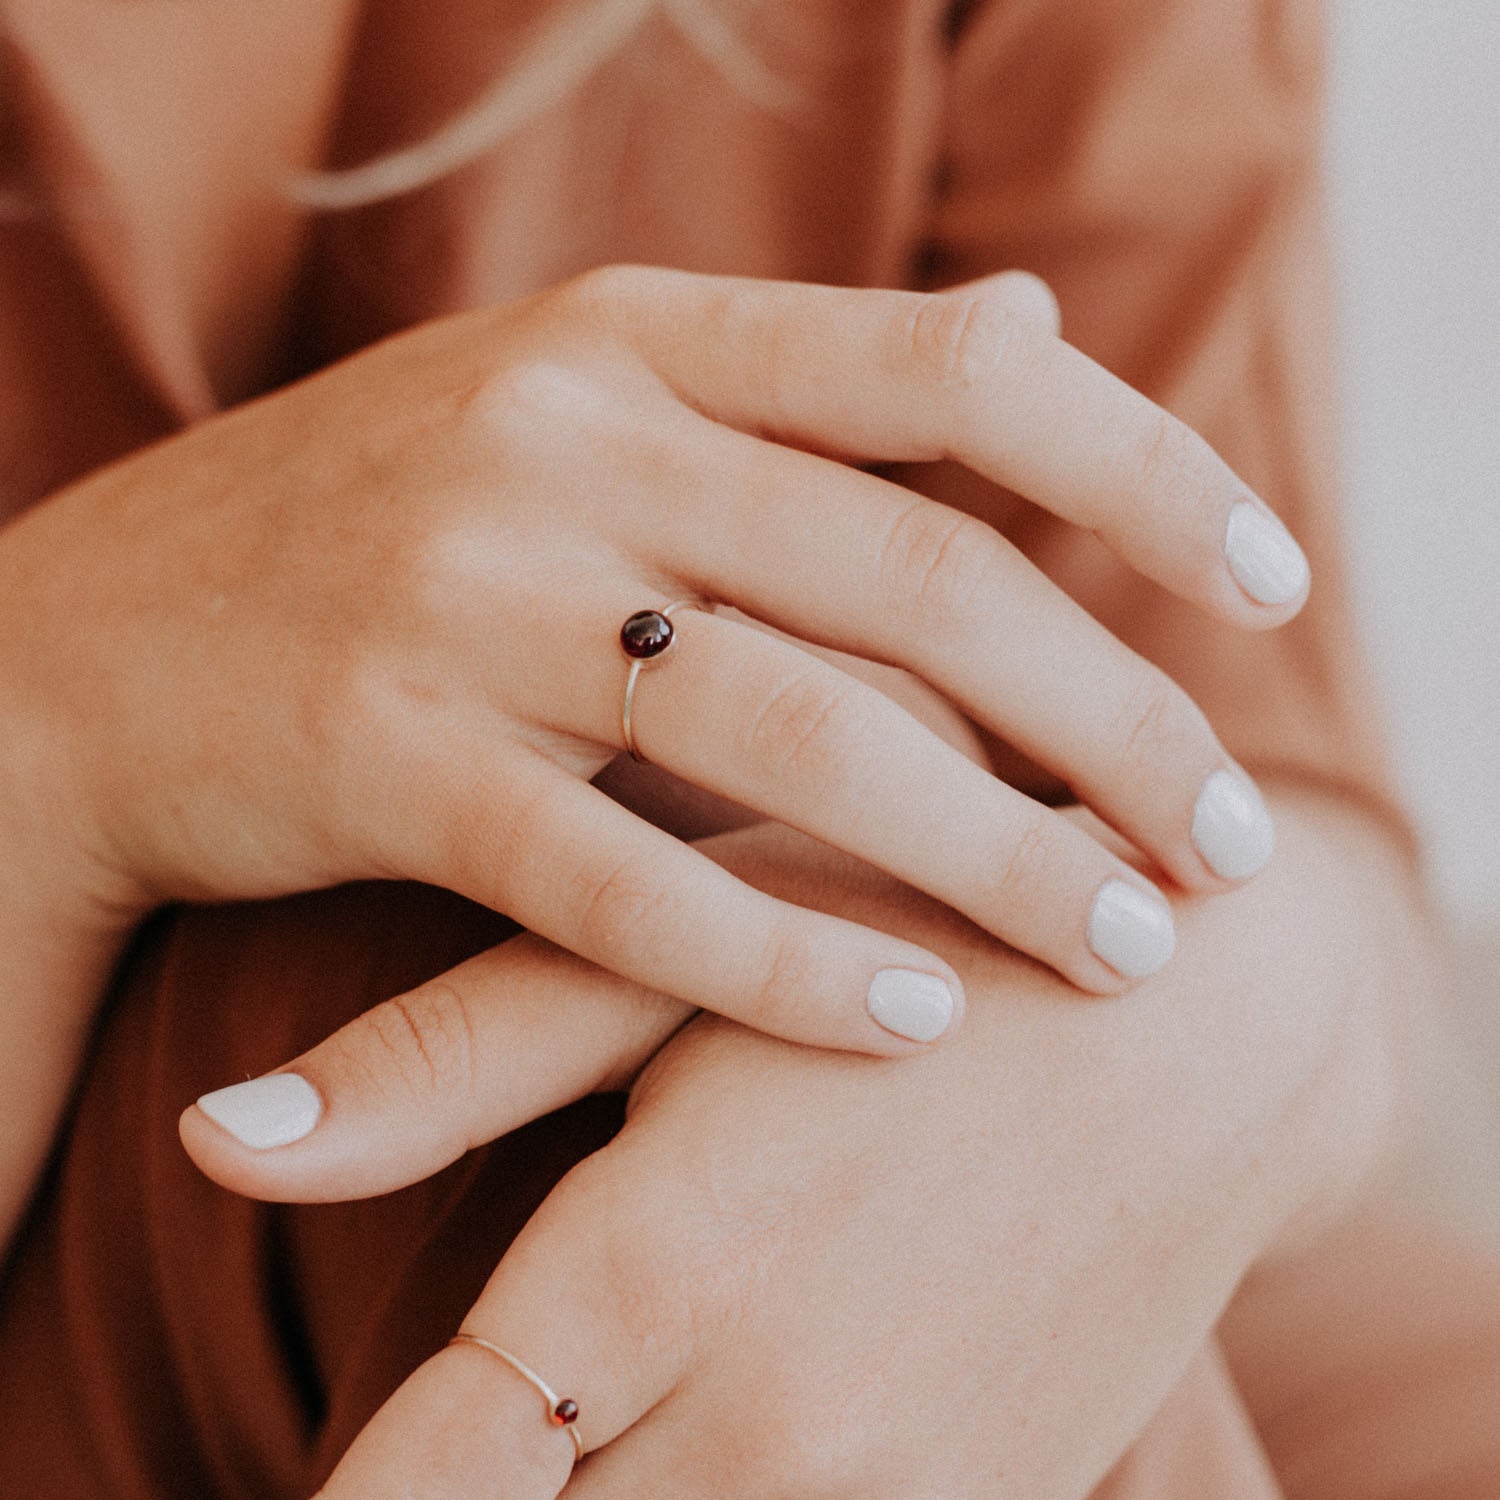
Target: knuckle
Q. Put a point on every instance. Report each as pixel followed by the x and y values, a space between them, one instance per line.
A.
pixel 791 984
pixel 1027 867
pixel 602 290
pixel 807 729
pixel 840 1455
pixel 524 399
pixel 611 303
pixel 422 1042
pixel 958 343
pixel 353 723
pixel 652 1250
pixel 1158 721
pixel 1169 459
pixel 944 562
pixel 621 907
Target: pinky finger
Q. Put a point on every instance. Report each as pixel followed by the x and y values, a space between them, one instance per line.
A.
pixel 639 902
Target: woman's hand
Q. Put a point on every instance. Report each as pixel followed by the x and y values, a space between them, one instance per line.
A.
pixel 977 1274
pixel 368 627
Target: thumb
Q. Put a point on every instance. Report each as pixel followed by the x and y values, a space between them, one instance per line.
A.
pixel 409 1086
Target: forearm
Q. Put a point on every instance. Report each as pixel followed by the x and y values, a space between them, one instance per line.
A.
pixel 1353 890
pixel 51 978
pixel 63 924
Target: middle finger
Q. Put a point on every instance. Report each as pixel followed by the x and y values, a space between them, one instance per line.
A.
pixel 876 570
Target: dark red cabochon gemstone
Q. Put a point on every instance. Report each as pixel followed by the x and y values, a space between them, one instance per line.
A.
pixel 646 634
pixel 565 1412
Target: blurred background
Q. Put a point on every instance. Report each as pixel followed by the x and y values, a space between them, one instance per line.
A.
pixel 1414 173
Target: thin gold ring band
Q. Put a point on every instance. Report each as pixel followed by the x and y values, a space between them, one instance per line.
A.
pixel 627 708
pixel 562 1411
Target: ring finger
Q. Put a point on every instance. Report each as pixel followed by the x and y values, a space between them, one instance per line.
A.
pixel 767 724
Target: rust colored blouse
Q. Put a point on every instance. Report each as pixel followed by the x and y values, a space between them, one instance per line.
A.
pixel 1155 160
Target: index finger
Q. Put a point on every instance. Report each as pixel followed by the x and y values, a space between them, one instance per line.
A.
pixel 967 375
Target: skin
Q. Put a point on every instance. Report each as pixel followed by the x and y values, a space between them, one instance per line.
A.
pixel 321 693
pixel 977 1273
pixel 292 715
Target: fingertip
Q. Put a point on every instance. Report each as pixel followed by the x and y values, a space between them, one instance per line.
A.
pixel 190 1128
pixel 274 1144
pixel 261 1114
pixel 1131 929
pixel 1033 299
pixel 1267 564
pixel 916 1004
pixel 216 1153
pixel 1232 829
pixel 234 1135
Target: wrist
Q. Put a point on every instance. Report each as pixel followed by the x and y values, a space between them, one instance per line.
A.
pixel 56 873
pixel 62 930
pixel 1354 861
pixel 55 882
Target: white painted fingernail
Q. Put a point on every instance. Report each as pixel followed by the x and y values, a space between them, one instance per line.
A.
pixel 1263 556
pixel 1231 828
pixel 916 1006
pixel 271 1111
pixel 1131 931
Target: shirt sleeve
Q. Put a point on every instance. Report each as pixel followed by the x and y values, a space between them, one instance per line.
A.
pixel 1158 163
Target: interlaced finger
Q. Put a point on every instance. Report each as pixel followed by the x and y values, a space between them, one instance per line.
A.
pixel 772 726
pixel 887 375
pixel 574 866
pixel 892 576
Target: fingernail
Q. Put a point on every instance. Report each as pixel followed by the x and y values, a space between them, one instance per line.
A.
pixel 1265 560
pixel 271 1111
pixel 1131 931
pixel 1231 828
pixel 916 1006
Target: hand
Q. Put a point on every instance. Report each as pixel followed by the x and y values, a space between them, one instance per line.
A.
pixel 367 627
pixel 798 1273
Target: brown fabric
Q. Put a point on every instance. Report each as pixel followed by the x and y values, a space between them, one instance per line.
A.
pixel 160 1337
pixel 1155 159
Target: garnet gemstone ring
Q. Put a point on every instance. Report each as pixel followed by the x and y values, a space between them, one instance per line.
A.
pixel 562 1411
pixel 646 633
pixel 644 637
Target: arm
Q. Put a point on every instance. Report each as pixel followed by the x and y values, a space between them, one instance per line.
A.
pixel 62 927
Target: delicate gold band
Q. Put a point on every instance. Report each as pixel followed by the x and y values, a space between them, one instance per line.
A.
pixel 626 709
pixel 556 1405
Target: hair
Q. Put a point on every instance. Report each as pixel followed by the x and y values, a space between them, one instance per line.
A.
pixel 559 56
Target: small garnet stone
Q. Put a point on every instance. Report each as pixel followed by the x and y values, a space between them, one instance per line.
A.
pixel 565 1412
pixel 646 634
